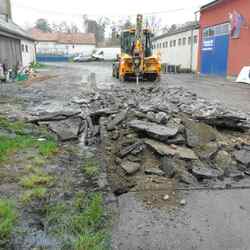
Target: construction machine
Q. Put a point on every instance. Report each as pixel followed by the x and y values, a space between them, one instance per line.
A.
pixel 136 59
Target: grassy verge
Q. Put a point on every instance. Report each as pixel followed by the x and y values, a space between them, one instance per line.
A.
pixel 16 138
pixel 81 224
pixel 34 194
pixel 91 167
pixel 7 220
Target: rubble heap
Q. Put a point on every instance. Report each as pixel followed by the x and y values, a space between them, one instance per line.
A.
pixel 167 134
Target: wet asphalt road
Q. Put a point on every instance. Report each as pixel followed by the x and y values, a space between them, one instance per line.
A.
pixel 232 94
pixel 211 220
pixel 236 95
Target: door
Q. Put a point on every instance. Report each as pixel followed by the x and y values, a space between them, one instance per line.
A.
pixel 214 50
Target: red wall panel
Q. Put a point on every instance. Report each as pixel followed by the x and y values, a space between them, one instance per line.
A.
pixel 239 49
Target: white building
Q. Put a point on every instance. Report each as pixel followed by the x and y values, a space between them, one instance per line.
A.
pixel 28 52
pixel 179 47
pixel 63 43
pixel 17 47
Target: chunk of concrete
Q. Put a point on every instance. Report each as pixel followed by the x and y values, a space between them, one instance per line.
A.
pixel 163 149
pixel 120 117
pixel 223 160
pixel 154 171
pixel 168 165
pixel 243 156
pixel 202 171
pixel 198 133
pixel 207 151
pixel 136 146
pixel 130 167
pixel 153 130
pixel 68 129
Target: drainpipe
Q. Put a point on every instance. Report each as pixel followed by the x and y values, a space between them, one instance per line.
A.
pixel 191 49
pixel 192 43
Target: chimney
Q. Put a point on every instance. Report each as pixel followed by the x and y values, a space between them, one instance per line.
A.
pixel 5 9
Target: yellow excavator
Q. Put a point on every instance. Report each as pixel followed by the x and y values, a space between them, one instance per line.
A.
pixel 136 59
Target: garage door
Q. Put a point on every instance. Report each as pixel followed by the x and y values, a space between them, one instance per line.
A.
pixel 10 51
pixel 214 50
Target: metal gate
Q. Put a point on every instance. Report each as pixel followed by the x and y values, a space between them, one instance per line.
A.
pixel 214 51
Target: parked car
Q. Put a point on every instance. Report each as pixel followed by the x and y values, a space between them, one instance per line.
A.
pixel 83 58
pixel 109 54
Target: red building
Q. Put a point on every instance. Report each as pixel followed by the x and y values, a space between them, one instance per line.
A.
pixel 225 37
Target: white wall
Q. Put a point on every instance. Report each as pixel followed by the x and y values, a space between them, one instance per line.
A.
pixel 64 49
pixel 28 52
pixel 178 54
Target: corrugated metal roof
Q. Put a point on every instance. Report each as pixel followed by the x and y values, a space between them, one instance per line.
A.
pixel 13 29
pixel 65 38
pixel 182 29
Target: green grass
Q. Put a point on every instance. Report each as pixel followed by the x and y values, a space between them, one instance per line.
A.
pixel 91 167
pixel 38 179
pixel 91 217
pixel 16 127
pixel 8 218
pixel 20 140
pixel 37 65
pixel 34 194
pixel 83 220
pixel 90 241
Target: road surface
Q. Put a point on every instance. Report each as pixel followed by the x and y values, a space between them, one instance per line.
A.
pixel 211 220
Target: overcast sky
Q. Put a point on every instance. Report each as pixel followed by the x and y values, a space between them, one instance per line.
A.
pixel 25 12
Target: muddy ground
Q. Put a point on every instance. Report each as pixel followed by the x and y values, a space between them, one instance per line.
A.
pixel 143 218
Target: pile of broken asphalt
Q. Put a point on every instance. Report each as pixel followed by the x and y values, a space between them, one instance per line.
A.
pixel 154 137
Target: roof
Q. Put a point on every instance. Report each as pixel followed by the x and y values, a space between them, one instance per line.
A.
pixel 38 35
pixel 184 28
pixel 12 29
pixel 65 38
pixel 211 4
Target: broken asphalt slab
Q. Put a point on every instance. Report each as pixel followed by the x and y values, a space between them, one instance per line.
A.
pixel 153 130
pixel 164 149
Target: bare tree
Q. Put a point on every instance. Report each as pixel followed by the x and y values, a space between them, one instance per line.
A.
pixel 153 23
pixel 64 27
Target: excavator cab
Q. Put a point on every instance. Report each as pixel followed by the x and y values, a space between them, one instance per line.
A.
pixel 136 59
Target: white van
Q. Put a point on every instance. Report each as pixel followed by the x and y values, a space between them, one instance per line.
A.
pixel 106 54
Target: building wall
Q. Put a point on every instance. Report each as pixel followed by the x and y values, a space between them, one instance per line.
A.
pixel 239 49
pixel 178 53
pixel 63 49
pixel 28 52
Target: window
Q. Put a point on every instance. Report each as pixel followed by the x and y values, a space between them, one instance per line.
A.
pixel 163 44
pixel 166 44
pixel 174 43
pixel 22 47
pixel 184 41
pixel 217 30
pixel 171 43
pixel 26 48
pixel 179 42
pixel 189 40
pixel 195 39
pixel 73 46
